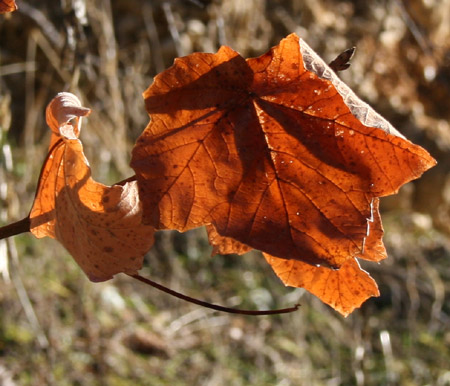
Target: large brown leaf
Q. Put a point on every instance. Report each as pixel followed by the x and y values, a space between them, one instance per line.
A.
pixel 275 152
pixel 99 225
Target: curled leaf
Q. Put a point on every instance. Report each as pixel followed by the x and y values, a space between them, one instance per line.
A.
pixel 99 225
pixel 65 110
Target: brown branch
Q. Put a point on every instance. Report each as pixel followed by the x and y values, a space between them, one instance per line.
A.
pixel 15 228
pixel 209 305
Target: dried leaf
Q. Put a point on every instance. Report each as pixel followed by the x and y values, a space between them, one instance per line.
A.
pixel 271 151
pixel 344 289
pixel 7 6
pixel 62 109
pixel 99 225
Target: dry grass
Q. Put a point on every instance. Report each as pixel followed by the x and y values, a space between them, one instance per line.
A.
pixel 58 328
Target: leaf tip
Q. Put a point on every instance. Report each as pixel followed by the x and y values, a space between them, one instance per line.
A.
pixel 64 108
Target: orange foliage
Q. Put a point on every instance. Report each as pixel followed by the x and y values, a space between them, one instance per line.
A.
pixel 276 153
pixel 343 289
pixel 273 153
pixel 99 225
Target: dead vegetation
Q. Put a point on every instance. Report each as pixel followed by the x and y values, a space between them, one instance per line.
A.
pixel 58 328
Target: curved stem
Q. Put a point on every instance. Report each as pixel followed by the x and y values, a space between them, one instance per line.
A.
pixel 15 228
pixel 209 305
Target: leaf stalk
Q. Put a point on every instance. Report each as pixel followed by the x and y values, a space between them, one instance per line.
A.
pixel 16 228
pixel 210 305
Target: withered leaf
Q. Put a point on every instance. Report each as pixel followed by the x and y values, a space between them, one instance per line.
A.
pixel 275 152
pixel 99 225
pixel 344 289
pixel 7 6
pixel 65 108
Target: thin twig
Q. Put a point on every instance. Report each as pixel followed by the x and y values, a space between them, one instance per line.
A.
pixel 152 32
pixel 16 228
pixel 423 42
pixel 209 305
pixel 41 20
pixel 173 28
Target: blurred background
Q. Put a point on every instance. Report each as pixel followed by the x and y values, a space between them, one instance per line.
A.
pixel 57 328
